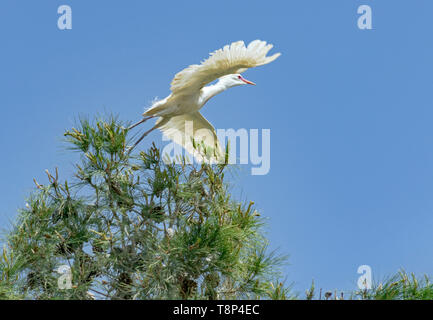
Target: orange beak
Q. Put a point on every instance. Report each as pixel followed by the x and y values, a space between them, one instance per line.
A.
pixel 247 81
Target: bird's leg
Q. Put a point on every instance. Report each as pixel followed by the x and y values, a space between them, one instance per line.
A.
pixel 140 122
pixel 141 138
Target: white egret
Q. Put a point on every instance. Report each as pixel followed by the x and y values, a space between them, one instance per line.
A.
pixel 189 92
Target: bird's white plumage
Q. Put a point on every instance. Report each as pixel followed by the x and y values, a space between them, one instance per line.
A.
pixel 233 58
pixel 189 93
pixel 185 128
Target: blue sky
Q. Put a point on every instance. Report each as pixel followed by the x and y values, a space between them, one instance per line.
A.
pixel 350 113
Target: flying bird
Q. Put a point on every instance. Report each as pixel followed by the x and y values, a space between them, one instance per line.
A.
pixel 178 114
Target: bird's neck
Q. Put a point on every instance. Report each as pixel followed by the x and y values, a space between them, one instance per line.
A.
pixel 212 90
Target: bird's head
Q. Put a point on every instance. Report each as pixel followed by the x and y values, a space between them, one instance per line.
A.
pixel 232 80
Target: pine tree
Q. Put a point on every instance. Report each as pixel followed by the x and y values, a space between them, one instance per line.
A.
pixel 132 226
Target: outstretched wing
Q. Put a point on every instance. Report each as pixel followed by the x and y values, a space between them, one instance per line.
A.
pixel 233 58
pixel 191 130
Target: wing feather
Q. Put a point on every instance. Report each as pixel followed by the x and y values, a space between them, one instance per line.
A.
pixel 184 128
pixel 233 58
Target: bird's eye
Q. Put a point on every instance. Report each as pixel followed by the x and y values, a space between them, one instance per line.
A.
pixel 239 77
